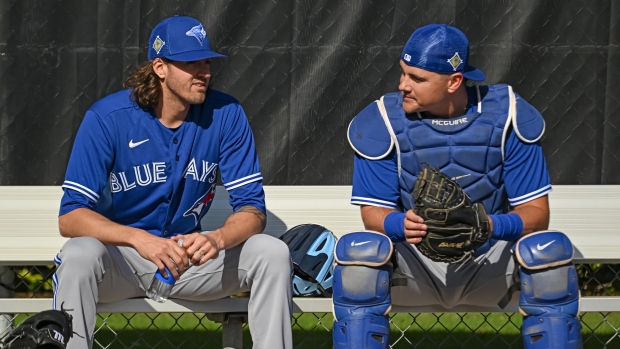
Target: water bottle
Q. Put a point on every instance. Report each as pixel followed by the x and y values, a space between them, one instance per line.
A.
pixel 160 287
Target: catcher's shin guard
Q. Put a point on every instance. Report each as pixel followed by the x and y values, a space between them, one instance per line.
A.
pixel 550 295
pixel 362 291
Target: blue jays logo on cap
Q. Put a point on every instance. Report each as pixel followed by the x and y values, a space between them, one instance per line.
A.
pixel 182 39
pixel 198 32
pixel 441 49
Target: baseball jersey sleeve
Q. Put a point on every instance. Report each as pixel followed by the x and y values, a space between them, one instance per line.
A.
pixel 88 167
pixel 375 182
pixel 525 171
pixel 239 165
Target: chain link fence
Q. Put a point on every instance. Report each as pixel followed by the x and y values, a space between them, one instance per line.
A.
pixel 312 330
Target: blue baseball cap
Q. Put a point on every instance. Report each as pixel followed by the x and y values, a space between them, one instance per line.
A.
pixel 182 39
pixel 441 49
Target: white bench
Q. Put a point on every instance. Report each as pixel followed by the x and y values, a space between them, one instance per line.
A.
pixel 588 214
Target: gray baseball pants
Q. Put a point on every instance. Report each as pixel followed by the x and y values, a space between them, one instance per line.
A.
pixel 90 272
pixel 482 281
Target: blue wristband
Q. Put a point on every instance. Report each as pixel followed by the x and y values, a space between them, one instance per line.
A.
pixel 506 227
pixel 394 226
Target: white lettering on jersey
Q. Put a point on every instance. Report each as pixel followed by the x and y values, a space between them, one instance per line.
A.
pixel 449 122
pixel 147 173
pixel 159 169
pixel 126 185
pixel 208 168
pixel 119 182
pixel 156 173
pixel 114 186
pixel 191 170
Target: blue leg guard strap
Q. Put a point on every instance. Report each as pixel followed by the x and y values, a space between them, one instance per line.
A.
pixel 361 291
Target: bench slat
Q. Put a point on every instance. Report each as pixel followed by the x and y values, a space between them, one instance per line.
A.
pixel 300 305
pixel 588 214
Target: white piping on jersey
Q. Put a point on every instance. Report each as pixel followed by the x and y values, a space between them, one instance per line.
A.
pixel 243 181
pixel 530 196
pixel 359 200
pixel 81 189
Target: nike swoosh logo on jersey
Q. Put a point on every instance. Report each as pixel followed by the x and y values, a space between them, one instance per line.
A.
pixel 540 248
pixel 359 243
pixel 133 145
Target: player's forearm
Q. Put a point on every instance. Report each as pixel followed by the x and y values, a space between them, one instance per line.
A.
pixel 535 215
pixel 373 217
pixel 242 224
pixel 85 222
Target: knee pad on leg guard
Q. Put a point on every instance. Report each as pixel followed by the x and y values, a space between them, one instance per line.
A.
pixel 361 291
pixel 550 296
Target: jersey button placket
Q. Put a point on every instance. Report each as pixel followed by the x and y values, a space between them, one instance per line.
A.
pixel 175 141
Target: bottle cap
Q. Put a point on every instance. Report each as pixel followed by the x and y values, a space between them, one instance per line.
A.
pixel 169 280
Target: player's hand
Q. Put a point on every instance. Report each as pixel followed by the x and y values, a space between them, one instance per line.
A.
pixel 199 248
pixel 415 229
pixel 163 252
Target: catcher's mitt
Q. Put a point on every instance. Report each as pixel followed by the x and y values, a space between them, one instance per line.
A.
pixel 456 227
pixel 49 329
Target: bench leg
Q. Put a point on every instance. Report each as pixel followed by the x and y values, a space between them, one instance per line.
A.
pixel 6 325
pixel 232 328
pixel 7 278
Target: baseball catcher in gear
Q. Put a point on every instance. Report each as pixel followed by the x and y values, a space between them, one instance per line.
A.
pixel 49 329
pixel 456 227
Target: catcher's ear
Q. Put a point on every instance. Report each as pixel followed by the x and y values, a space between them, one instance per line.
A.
pixel 455 81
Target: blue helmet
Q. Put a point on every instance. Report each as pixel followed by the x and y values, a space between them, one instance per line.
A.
pixel 312 252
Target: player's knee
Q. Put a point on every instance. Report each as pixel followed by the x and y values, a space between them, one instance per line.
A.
pixel 271 252
pixel 361 291
pixel 80 255
pixel 550 296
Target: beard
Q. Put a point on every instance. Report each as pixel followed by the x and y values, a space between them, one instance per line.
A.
pixel 196 97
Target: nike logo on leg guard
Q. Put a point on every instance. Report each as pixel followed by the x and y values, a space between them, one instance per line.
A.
pixel 359 243
pixel 540 248
pixel 133 145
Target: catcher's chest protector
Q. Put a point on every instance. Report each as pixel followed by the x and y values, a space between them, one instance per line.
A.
pixel 468 147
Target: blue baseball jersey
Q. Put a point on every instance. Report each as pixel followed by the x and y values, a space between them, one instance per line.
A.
pixel 133 170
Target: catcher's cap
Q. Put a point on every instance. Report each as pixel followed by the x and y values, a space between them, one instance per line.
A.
pixel 441 49
pixel 182 39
